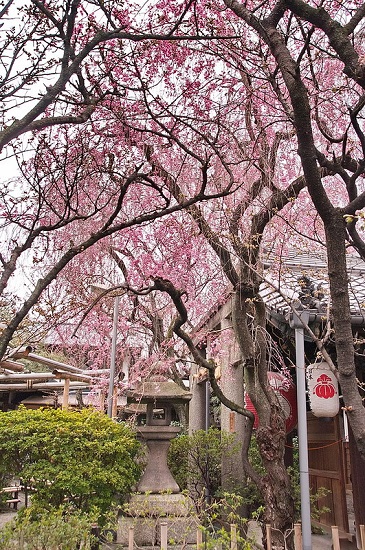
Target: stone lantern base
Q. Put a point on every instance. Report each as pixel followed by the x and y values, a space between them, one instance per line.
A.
pixel 146 512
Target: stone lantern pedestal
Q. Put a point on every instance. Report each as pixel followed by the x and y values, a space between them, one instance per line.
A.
pixel 158 497
pixel 157 477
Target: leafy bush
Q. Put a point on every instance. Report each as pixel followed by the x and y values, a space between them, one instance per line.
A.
pixel 83 458
pixel 54 530
pixel 195 461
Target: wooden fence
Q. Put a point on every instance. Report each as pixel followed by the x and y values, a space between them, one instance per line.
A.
pixel 234 545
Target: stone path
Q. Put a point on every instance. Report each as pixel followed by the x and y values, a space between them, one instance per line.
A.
pixel 7 514
pixel 5 517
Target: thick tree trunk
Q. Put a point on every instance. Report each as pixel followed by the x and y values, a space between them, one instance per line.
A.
pixel 275 486
pixel 335 236
pixel 336 257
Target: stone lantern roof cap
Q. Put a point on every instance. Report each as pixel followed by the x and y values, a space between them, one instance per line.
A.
pixel 156 390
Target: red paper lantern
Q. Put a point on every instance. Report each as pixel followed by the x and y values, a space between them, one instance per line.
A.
pixel 322 390
pixel 287 395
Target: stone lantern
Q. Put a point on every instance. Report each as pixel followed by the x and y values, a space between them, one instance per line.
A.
pixel 159 396
pixel 158 498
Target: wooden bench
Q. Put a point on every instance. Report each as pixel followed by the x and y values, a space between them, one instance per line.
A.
pixel 13 502
pixel 13 493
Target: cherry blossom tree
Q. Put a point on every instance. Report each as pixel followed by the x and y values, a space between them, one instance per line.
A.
pixel 88 199
pixel 78 194
pixel 300 83
pixel 51 78
pixel 233 228
pixel 62 72
pixel 51 56
pixel 215 114
pixel 315 60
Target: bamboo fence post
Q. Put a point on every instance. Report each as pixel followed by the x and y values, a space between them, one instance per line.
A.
pixel 199 539
pixel 66 393
pixel 131 538
pixel 335 538
pixel 164 536
pixel 268 536
pixel 102 401
pixel 297 536
pixel 362 535
pixel 115 402
pixel 233 537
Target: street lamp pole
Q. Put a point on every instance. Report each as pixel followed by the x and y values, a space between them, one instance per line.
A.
pixel 103 289
pixel 297 323
pixel 113 357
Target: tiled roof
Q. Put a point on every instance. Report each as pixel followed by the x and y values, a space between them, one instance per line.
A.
pixel 281 286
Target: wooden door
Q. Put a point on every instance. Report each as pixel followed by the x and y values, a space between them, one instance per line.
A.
pixel 327 469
